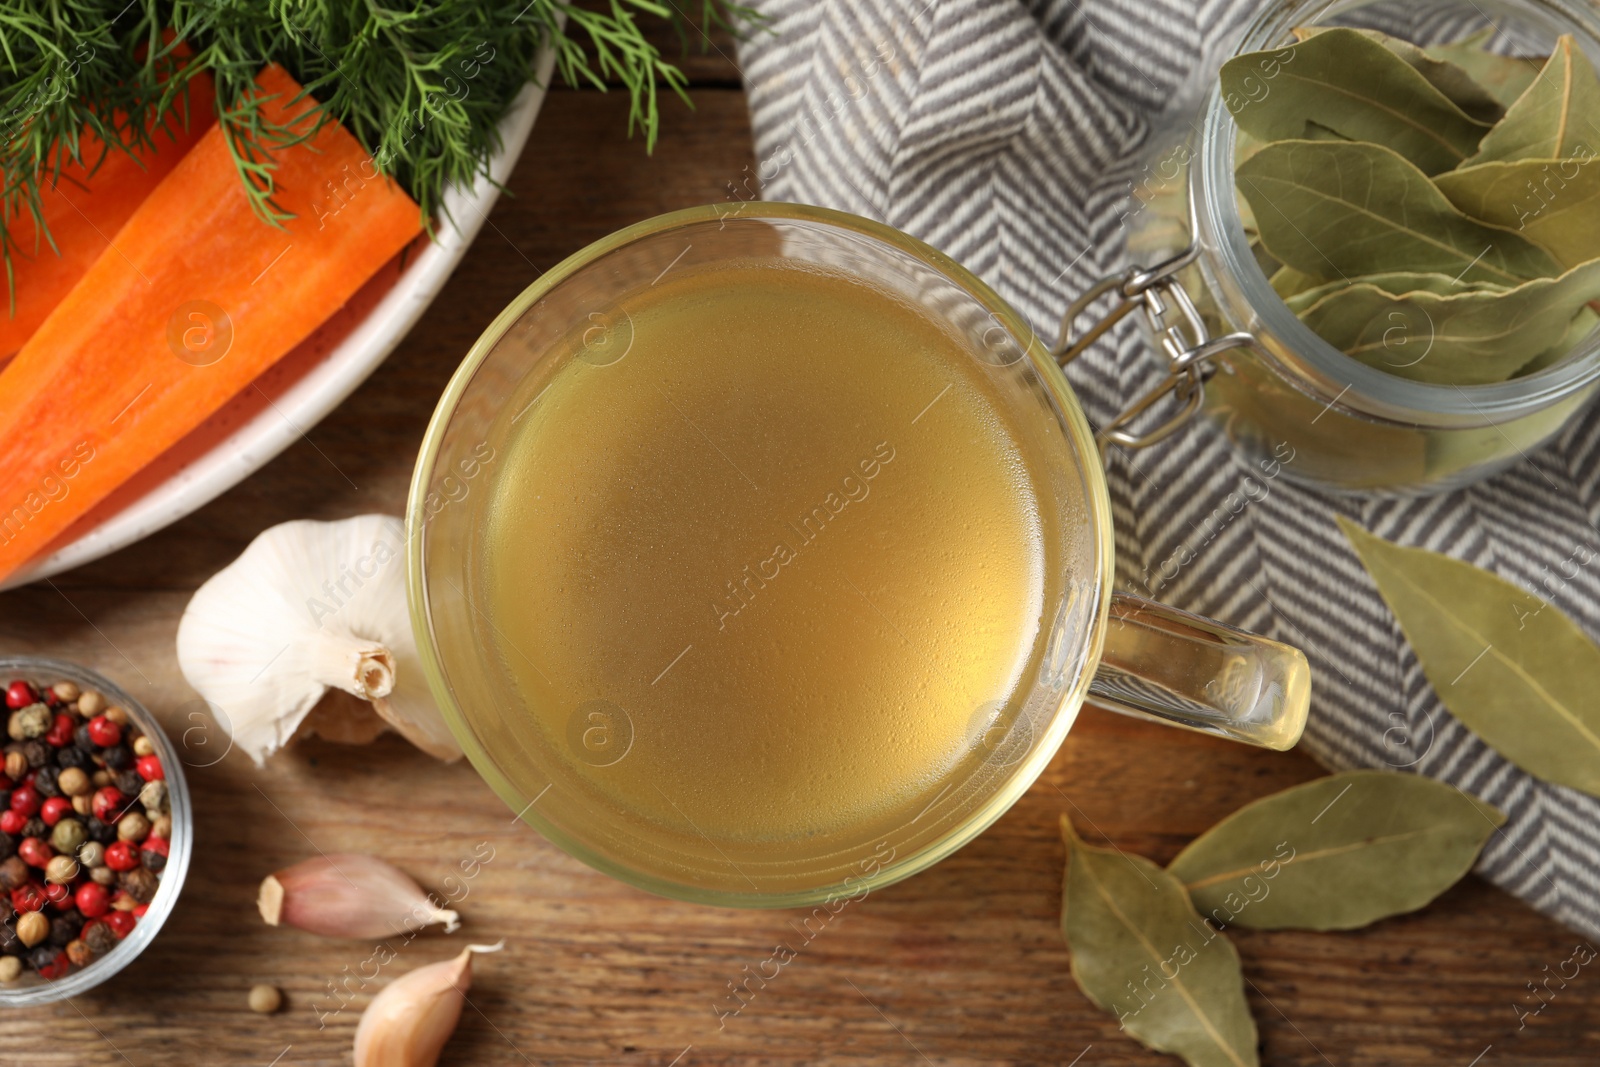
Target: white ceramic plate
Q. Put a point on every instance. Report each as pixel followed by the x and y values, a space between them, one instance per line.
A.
pixel 308 383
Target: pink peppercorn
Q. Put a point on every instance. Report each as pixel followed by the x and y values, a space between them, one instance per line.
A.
pixel 20 695
pixel 104 732
pixel 92 900
pixel 122 922
pixel 28 897
pixel 59 895
pixel 150 768
pixel 53 810
pixel 61 731
pixel 12 822
pixel 25 801
pixel 107 804
pixel 121 856
pixel 34 852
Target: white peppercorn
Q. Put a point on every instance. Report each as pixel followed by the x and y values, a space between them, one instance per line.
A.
pixel 265 999
pixel 153 795
pixel 133 827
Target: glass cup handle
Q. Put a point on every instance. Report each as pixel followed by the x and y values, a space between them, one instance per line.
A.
pixel 1169 666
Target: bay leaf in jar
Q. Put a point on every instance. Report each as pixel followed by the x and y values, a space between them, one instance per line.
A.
pixel 1552 118
pixel 1470 338
pixel 1423 272
pixel 1400 283
pixel 1459 86
pixel 1504 77
pixel 1553 202
pixel 1344 209
pixel 1583 324
pixel 1347 82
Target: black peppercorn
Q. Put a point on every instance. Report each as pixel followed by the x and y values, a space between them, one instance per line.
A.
pixel 65 927
pixel 128 782
pixel 8 846
pixel 10 943
pixel 13 872
pixel 43 956
pixel 100 831
pixel 117 757
pixel 81 738
pixel 35 827
pixel 47 781
pixel 139 883
pixel 36 752
pixel 153 860
pixel 5 799
pixel 71 756
pixel 99 937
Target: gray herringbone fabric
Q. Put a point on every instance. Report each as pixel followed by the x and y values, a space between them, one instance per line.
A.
pixel 1008 134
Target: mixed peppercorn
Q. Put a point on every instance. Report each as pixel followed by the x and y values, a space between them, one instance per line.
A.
pixel 84 826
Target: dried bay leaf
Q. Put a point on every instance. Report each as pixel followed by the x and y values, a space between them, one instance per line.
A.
pixel 1467 338
pixel 1288 283
pixel 1336 853
pixel 1504 77
pixel 1518 673
pixel 1264 260
pixel 1344 209
pixel 1316 131
pixel 1553 202
pixel 1583 325
pixel 1554 117
pixel 1140 952
pixel 1349 83
pixel 1399 283
pixel 1448 77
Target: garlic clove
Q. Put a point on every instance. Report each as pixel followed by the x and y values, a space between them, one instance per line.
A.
pixel 342 719
pixel 307 607
pixel 349 895
pixel 410 1020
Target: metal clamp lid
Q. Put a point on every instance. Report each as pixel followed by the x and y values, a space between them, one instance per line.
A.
pixel 1188 345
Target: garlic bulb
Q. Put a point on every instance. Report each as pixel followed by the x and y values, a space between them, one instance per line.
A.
pixel 408 1023
pixel 349 895
pixel 309 606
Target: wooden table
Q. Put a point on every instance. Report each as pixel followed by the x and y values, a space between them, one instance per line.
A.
pixel 962 964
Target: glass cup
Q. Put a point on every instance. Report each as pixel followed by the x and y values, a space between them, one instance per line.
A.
pixel 1120 651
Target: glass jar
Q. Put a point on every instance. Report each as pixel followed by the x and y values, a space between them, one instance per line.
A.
pixel 1239 356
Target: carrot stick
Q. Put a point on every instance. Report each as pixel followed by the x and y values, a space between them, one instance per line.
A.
pixel 194 299
pixel 84 211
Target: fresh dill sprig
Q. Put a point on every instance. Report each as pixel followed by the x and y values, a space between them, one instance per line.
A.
pixel 422 85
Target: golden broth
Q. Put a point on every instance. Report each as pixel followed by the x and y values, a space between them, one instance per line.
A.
pixel 762 580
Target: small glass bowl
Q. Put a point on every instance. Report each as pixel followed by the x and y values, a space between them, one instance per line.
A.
pixel 30 988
